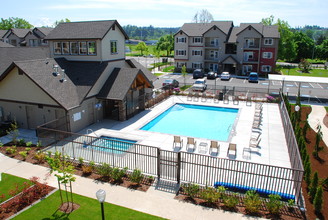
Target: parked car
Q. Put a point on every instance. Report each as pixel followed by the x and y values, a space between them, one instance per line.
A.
pixel 199 85
pixel 253 77
pixel 170 84
pixel 225 76
pixel 211 75
pixel 198 73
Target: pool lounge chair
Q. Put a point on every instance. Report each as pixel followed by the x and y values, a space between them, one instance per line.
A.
pixel 254 143
pixel 177 142
pixel 232 149
pixel 214 145
pixel 256 125
pixel 255 135
pixel 191 143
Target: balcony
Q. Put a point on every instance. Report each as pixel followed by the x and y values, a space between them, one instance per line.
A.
pixel 250 60
pixel 211 59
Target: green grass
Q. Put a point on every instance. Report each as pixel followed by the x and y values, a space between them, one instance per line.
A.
pixel 183 88
pixel 326 107
pixel 313 72
pixel 9 182
pixel 89 209
pixel 158 74
pixel 169 69
pixel 151 50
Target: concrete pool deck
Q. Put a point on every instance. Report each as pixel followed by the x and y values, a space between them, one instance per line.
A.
pixel 272 148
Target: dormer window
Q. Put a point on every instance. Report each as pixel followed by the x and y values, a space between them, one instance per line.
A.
pixel 113 47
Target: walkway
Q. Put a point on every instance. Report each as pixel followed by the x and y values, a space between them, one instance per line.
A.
pixel 158 200
pixel 316 116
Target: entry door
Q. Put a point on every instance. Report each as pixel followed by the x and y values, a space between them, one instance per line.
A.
pixel 31 117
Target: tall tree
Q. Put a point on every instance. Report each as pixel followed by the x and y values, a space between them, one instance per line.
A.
pixel 305 46
pixel 203 16
pixel 166 43
pixel 61 21
pixel 287 46
pixel 142 47
pixel 12 22
pixel 268 21
pixel 322 50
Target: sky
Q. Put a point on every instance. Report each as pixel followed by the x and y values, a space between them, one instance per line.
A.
pixel 167 13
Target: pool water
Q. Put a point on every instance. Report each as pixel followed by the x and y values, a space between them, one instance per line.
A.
pixel 197 121
pixel 112 145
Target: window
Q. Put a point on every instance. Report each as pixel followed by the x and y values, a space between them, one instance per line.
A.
pixel 247 68
pixel 214 54
pixel 266 68
pixel 250 42
pixel 65 46
pixel 268 41
pixel 181 52
pixel 13 42
pixel 57 48
pixel 83 48
pixel 197 53
pixel 248 56
pixel 198 40
pixel 181 40
pixel 33 42
pixel 197 65
pixel 74 48
pixel 214 42
pixel 113 47
pixel 181 64
pixel 267 55
pixel 92 50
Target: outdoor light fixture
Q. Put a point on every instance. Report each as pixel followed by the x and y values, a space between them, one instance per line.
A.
pixel 101 196
pixel 297 108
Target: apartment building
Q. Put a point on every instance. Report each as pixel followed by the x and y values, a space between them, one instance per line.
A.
pixel 220 46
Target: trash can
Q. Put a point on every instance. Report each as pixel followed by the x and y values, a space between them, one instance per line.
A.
pixel 220 96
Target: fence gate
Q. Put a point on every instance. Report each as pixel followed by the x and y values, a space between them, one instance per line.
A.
pixel 169 165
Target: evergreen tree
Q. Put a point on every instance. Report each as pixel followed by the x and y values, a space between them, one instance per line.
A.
pixel 314 185
pixel 318 200
pixel 307 173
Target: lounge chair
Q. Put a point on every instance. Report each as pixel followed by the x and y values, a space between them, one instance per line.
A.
pixel 204 97
pixel 177 142
pixel 254 143
pixel 191 143
pixel 257 119
pixel 255 135
pixel 189 97
pixel 256 125
pixel 232 148
pixel 214 145
pixel 196 96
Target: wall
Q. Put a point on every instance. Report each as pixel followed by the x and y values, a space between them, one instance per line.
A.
pixel 115 35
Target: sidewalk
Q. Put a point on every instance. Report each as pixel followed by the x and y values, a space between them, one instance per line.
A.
pixel 158 200
pixel 316 117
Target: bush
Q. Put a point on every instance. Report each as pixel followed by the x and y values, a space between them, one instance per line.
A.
pixel 39 144
pixel 86 170
pixel 27 149
pixel 314 185
pixel 23 154
pixel 230 201
pixel 136 176
pixel 318 201
pixel 92 164
pixel 1 144
pixel 210 194
pixel 105 170
pixel 21 142
pixel 80 161
pixel 28 144
pixel 40 157
pixel 11 150
pixel 191 189
pixel 252 201
pixel 274 204
pixel 118 174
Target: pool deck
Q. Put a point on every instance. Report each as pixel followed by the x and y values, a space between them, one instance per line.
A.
pixel 272 149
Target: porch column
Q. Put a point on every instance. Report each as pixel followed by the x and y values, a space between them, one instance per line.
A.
pixel 122 111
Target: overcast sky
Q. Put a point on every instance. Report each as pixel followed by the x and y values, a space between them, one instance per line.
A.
pixel 167 13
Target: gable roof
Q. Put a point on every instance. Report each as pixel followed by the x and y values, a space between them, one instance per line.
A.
pixel 44 30
pixel 119 82
pixel 233 35
pixel 134 64
pixel 83 30
pixel 11 54
pixel 2 33
pixel 198 29
pixel 264 30
pixel 20 32
pixel 3 44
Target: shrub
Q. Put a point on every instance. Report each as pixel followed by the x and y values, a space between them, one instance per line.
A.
pixel 324 182
pixel 307 173
pixel 118 174
pixel 252 201
pixel 1 144
pixel 21 142
pixel 80 161
pixel 136 176
pixel 104 170
pixel 92 165
pixel 38 144
pixel 314 185
pixel 210 194
pixel 23 154
pixel 230 201
pixel 27 149
pixel 318 201
pixel 191 189
pixel 86 170
pixel 28 144
pixel 274 204
pixel 151 179
pixel 40 157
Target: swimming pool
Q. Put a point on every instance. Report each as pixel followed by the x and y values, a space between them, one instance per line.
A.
pixel 197 121
pixel 112 145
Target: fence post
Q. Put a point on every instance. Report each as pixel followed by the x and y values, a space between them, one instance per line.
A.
pixel 178 167
pixel 158 163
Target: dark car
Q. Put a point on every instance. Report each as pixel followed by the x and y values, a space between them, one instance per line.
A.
pixel 198 73
pixel 211 75
pixel 170 84
pixel 253 77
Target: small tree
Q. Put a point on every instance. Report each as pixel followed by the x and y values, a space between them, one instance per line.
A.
pixel 191 189
pixel 314 185
pixel 274 204
pixel 142 47
pixel 318 138
pixel 210 194
pixel 252 201
pixel 304 66
pixel 136 176
pixel 318 200
pixel 13 132
pixel 184 73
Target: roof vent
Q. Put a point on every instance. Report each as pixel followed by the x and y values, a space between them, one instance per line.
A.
pixel 55 73
pixel 63 79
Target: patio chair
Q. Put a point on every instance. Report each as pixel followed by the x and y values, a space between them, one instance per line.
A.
pixel 190 95
pixel 255 135
pixel 204 98
pixel 257 119
pixel 232 149
pixel 196 96
pixel 256 125
pixel 214 145
pixel 191 143
pixel 254 143
pixel 235 100
pixel 177 142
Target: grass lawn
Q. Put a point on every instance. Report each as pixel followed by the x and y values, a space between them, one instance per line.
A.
pixel 183 88
pixel 8 183
pixel 313 72
pixel 89 209
pixel 158 74
pixel 135 52
pixel 169 69
pixel 326 108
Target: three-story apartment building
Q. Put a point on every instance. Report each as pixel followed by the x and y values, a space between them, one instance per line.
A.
pixel 219 46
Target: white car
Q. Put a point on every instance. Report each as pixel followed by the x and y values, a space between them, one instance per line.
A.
pixel 225 76
pixel 199 85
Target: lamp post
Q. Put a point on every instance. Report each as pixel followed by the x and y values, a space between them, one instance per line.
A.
pixel 101 196
pixel 283 84
pixel 297 108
